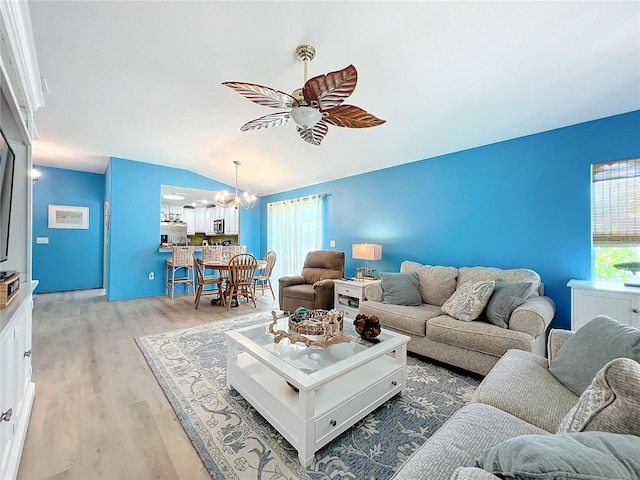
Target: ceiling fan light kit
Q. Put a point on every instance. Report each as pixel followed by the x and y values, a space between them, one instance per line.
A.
pixel 305 117
pixel 313 107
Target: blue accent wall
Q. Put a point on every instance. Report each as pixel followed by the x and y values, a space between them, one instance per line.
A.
pixel 134 233
pixel 72 260
pixel 521 203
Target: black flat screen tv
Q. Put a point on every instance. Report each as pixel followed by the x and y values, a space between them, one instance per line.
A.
pixel 7 165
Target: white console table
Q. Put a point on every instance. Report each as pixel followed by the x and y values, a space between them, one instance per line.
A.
pixel 589 299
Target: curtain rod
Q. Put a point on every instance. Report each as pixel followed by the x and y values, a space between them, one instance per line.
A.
pixel 301 199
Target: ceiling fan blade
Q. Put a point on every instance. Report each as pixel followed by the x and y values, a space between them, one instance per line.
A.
pixel 352 117
pixel 263 95
pixel 268 121
pixel 330 90
pixel 314 135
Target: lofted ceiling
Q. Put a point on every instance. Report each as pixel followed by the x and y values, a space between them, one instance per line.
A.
pixel 141 80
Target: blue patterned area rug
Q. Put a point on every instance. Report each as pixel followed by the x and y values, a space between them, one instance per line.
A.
pixel 235 442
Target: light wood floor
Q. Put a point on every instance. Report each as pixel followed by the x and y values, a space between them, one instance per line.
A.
pixel 98 411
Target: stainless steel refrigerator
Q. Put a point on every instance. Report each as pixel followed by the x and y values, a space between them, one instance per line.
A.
pixel 173 233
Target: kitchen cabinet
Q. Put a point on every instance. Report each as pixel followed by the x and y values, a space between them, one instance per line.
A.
pixel 208 220
pixel 190 219
pixel 200 223
pixel 217 212
pixel 16 388
pixel 231 223
pixel 171 212
pixel 589 299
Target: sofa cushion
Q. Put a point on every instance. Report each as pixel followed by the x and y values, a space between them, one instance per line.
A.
pixel 469 300
pixel 472 473
pixel 611 403
pixel 477 336
pixel 400 288
pixel 599 341
pixel 505 298
pixel 586 455
pixel 405 319
pixel 461 440
pixel 436 283
pixel 520 383
pixel 476 274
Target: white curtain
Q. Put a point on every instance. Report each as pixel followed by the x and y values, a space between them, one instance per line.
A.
pixel 294 227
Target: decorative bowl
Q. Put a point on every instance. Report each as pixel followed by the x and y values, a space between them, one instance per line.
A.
pixel 310 322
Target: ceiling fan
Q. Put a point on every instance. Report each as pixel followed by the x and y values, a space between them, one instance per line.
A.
pixel 313 107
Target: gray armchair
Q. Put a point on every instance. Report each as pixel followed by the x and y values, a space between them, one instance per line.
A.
pixel 312 289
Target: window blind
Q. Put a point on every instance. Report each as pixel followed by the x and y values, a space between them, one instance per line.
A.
pixel 615 203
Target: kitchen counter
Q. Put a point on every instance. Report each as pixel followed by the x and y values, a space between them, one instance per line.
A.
pixel 170 250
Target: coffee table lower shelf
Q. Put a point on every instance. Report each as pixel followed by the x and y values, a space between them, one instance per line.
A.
pixel 309 419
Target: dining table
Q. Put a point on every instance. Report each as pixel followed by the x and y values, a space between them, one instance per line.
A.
pixel 224 266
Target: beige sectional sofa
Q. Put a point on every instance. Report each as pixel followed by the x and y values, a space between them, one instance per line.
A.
pixel 472 345
pixel 524 421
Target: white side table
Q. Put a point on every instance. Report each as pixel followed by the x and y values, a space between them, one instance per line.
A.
pixel 347 295
pixel 589 299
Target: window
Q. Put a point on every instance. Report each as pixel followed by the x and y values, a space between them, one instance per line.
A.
pixel 615 208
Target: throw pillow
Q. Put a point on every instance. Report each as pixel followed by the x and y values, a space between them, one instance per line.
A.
pixel 586 455
pixel 400 288
pixel 436 283
pixel 599 341
pixel 505 298
pixel 469 300
pixel 611 403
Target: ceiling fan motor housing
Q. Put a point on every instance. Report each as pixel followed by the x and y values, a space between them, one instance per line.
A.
pixel 305 53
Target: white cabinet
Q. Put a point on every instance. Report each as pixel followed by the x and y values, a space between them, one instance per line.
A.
pixel 347 295
pixel 172 212
pixel 200 223
pixel 231 223
pixel 209 213
pixel 190 219
pixel 16 389
pixel 589 299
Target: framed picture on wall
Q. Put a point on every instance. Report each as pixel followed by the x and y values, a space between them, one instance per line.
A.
pixel 62 216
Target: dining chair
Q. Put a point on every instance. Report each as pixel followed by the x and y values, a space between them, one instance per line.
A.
pixel 180 259
pixel 242 268
pixel 262 278
pixel 210 253
pixel 202 281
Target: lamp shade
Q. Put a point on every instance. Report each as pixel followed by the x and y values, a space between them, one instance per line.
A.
pixel 366 251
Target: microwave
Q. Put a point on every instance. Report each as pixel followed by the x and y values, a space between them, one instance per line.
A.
pixel 218 226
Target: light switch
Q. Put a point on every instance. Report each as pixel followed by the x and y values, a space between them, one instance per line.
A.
pixel 332 243
pixel 42 239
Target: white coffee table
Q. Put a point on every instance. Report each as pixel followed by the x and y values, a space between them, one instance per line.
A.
pixel 338 385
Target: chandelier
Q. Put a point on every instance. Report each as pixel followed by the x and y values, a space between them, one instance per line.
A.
pixel 226 199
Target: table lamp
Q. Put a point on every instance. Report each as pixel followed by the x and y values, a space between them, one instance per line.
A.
pixel 366 252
